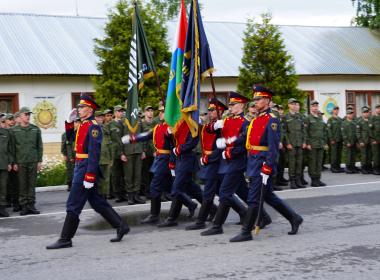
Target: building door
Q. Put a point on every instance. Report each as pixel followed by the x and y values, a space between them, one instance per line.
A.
pixel 9 102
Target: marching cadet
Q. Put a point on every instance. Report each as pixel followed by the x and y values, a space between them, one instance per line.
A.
pixel 295 142
pixel 251 111
pixel 334 130
pixel 233 162
pixel 316 136
pixel 349 141
pixel 262 142
pixel 363 136
pixel 210 161
pixel 148 123
pixel 6 160
pixel 86 175
pixel 132 156
pixel 26 145
pixel 375 139
pixel 117 175
pixel 105 161
pixel 68 152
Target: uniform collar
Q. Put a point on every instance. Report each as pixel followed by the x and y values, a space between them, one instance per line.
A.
pixel 267 111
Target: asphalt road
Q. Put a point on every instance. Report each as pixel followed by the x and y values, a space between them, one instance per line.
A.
pixel 340 239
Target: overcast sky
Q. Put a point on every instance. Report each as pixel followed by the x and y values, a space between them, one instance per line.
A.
pixel 300 12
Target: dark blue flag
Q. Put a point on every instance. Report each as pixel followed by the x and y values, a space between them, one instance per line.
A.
pixel 196 65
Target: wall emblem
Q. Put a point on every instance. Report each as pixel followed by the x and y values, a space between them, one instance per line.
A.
pixel 45 115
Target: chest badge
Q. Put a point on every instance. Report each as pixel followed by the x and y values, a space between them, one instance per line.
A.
pixel 274 126
pixel 95 133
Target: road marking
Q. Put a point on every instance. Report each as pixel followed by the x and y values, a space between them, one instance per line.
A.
pixel 144 206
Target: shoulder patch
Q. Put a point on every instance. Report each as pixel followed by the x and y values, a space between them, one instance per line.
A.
pixel 274 126
pixel 95 133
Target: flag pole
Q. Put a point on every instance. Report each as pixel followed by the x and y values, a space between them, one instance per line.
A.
pixel 213 94
pixel 158 82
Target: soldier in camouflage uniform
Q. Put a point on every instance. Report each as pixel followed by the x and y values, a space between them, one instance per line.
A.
pixel 334 129
pixel 117 175
pixel 279 179
pixel 6 160
pixel 295 142
pixel 251 111
pixel 26 144
pixel 316 140
pixel 363 136
pixel 349 141
pixel 375 139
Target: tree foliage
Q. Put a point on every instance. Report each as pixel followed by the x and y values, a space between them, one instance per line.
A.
pixel 113 52
pixel 169 8
pixel 265 61
pixel 367 13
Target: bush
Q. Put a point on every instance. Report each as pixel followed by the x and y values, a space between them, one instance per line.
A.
pixel 53 173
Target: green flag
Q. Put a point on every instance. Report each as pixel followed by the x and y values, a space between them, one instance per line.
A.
pixel 141 66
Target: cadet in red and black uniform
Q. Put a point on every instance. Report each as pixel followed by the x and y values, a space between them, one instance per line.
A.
pixel 262 143
pixel 88 140
pixel 162 178
pixel 233 163
pixel 210 160
pixel 185 164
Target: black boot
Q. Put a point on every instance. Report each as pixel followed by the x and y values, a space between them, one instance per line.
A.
pixel 175 210
pixel 202 216
pixel 248 224
pixel 137 199
pixel 16 207
pixel 3 212
pixel 69 229
pixel 321 184
pixel 212 213
pixel 190 204
pixel 155 208
pixel 24 210
pixel 114 219
pixel 299 183
pixel 281 180
pixel 121 198
pixel 314 182
pixel 32 210
pixel 288 213
pixel 220 218
pixel 239 208
pixel 131 200
pixel 304 182
pixel 293 184
pixel 265 219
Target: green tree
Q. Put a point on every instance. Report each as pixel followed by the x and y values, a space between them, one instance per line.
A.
pixel 367 13
pixel 169 8
pixel 113 52
pixel 265 61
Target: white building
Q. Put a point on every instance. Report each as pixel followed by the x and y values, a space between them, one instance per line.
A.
pixel 46 61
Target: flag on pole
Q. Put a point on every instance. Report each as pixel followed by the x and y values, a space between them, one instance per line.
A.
pixel 173 99
pixel 141 66
pixel 197 64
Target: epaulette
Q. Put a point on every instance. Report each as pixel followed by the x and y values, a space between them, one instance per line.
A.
pixel 94 122
pixel 273 115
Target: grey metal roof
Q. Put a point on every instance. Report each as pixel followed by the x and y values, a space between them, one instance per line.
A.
pixel 63 45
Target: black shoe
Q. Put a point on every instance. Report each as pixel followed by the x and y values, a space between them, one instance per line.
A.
pixel 282 183
pixel 168 223
pixel 349 171
pixel 122 230
pixel 299 184
pixel 32 210
pixel 24 211
pixel 70 226
pixel 131 200
pixel 121 199
pixel 321 184
pixel 364 171
pixel 296 222
pixel 195 226
pixel 213 231
pixel 137 199
pixel 293 184
pixel 192 209
pixel 175 210
pixel 150 219
pixel 277 188
pixel 315 183
pixel 16 208
pixel 242 236
pixel 265 221
pixel 3 212
pixel 303 181
pixel 376 172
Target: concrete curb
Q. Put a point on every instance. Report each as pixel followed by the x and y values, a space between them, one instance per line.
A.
pixel 52 188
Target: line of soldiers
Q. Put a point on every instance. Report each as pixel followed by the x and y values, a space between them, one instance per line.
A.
pixel 20 160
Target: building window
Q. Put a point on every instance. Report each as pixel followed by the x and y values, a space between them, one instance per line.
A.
pixel 75 97
pixel 9 102
pixel 359 98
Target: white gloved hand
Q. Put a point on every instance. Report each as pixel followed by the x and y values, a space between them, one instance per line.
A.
pixel 172 171
pixel 201 161
pixel 218 124
pixel 224 154
pixel 87 185
pixel 170 130
pixel 126 139
pixel 230 140
pixel 221 143
pixel 265 178
pixel 174 151
pixel 71 116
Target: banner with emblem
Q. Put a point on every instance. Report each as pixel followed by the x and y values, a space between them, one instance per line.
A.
pixel 141 66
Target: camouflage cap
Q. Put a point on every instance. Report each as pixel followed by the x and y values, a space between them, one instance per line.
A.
pixel 9 116
pixel 25 110
pixel 161 108
pixel 252 104
pixel 17 114
pixel 365 109
pixel 280 107
pixel 2 115
pixel 148 107
pixel 314 102
pixel 377 106
pixel 292 100
pixel 107 111
pixel 118 108
pixel 350 111
pixel 99 113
